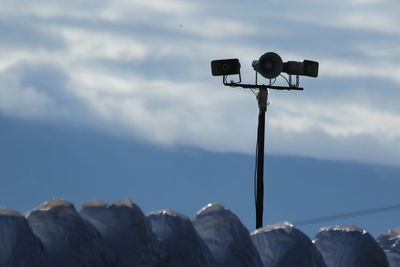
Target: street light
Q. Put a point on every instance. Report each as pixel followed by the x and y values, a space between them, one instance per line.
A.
pixel 270 66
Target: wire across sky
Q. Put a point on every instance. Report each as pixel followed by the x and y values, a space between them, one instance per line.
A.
pixel 347 215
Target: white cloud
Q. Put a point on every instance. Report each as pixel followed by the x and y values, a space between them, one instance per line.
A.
pixel 366 2
pixel 386 69
pixel 92 45
pixel 369 20
pixel 16 99
pixel 379 16
pixel 318 144
pixel 175 7
pixel 336 119
pixel 142 68
pixel 166 112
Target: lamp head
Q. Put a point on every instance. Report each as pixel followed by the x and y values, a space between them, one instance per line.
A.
pixel 269 65
pixel 225 67
pixel 306 68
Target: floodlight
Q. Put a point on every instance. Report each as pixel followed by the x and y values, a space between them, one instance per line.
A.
pixel 269 65
pixel 306 68
pixel 225 67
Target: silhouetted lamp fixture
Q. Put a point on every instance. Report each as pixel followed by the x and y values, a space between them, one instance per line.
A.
pixel 270 66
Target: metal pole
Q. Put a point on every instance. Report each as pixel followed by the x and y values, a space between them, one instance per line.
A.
pixel 262 98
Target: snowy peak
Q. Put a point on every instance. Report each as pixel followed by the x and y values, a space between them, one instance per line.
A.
pixel 226 237
pixel 282 225
pixel 170 214
pixel 211 207
pixel 349 246
pixel 5 213
pixel 180 245
pixel 55 205
pixel 343 228
pixel 67 238
pixel 390 242
pixel 283 245
pixel 94 203
pixel 125 229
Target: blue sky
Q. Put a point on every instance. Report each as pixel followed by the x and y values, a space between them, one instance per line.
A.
pixel 141 70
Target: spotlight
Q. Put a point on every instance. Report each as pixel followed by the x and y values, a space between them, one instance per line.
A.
pixel 225 67
pixel 269 65
pixel 306 68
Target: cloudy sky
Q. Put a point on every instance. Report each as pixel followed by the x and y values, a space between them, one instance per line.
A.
pixel 142 69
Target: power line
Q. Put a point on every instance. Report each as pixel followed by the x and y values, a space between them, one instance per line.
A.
pixel 347 215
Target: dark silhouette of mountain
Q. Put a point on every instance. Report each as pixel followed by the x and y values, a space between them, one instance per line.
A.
pixel 42 160
pixel 282 244
pixel 226 237
pixel 348 245
pixel 68 239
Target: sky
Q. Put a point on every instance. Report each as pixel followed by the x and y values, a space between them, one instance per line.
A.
pixel 141 70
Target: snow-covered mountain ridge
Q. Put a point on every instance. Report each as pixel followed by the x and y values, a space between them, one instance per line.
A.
pixel 119 234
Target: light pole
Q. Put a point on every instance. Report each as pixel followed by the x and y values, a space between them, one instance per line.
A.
pixel 262 98
pixel 270 66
